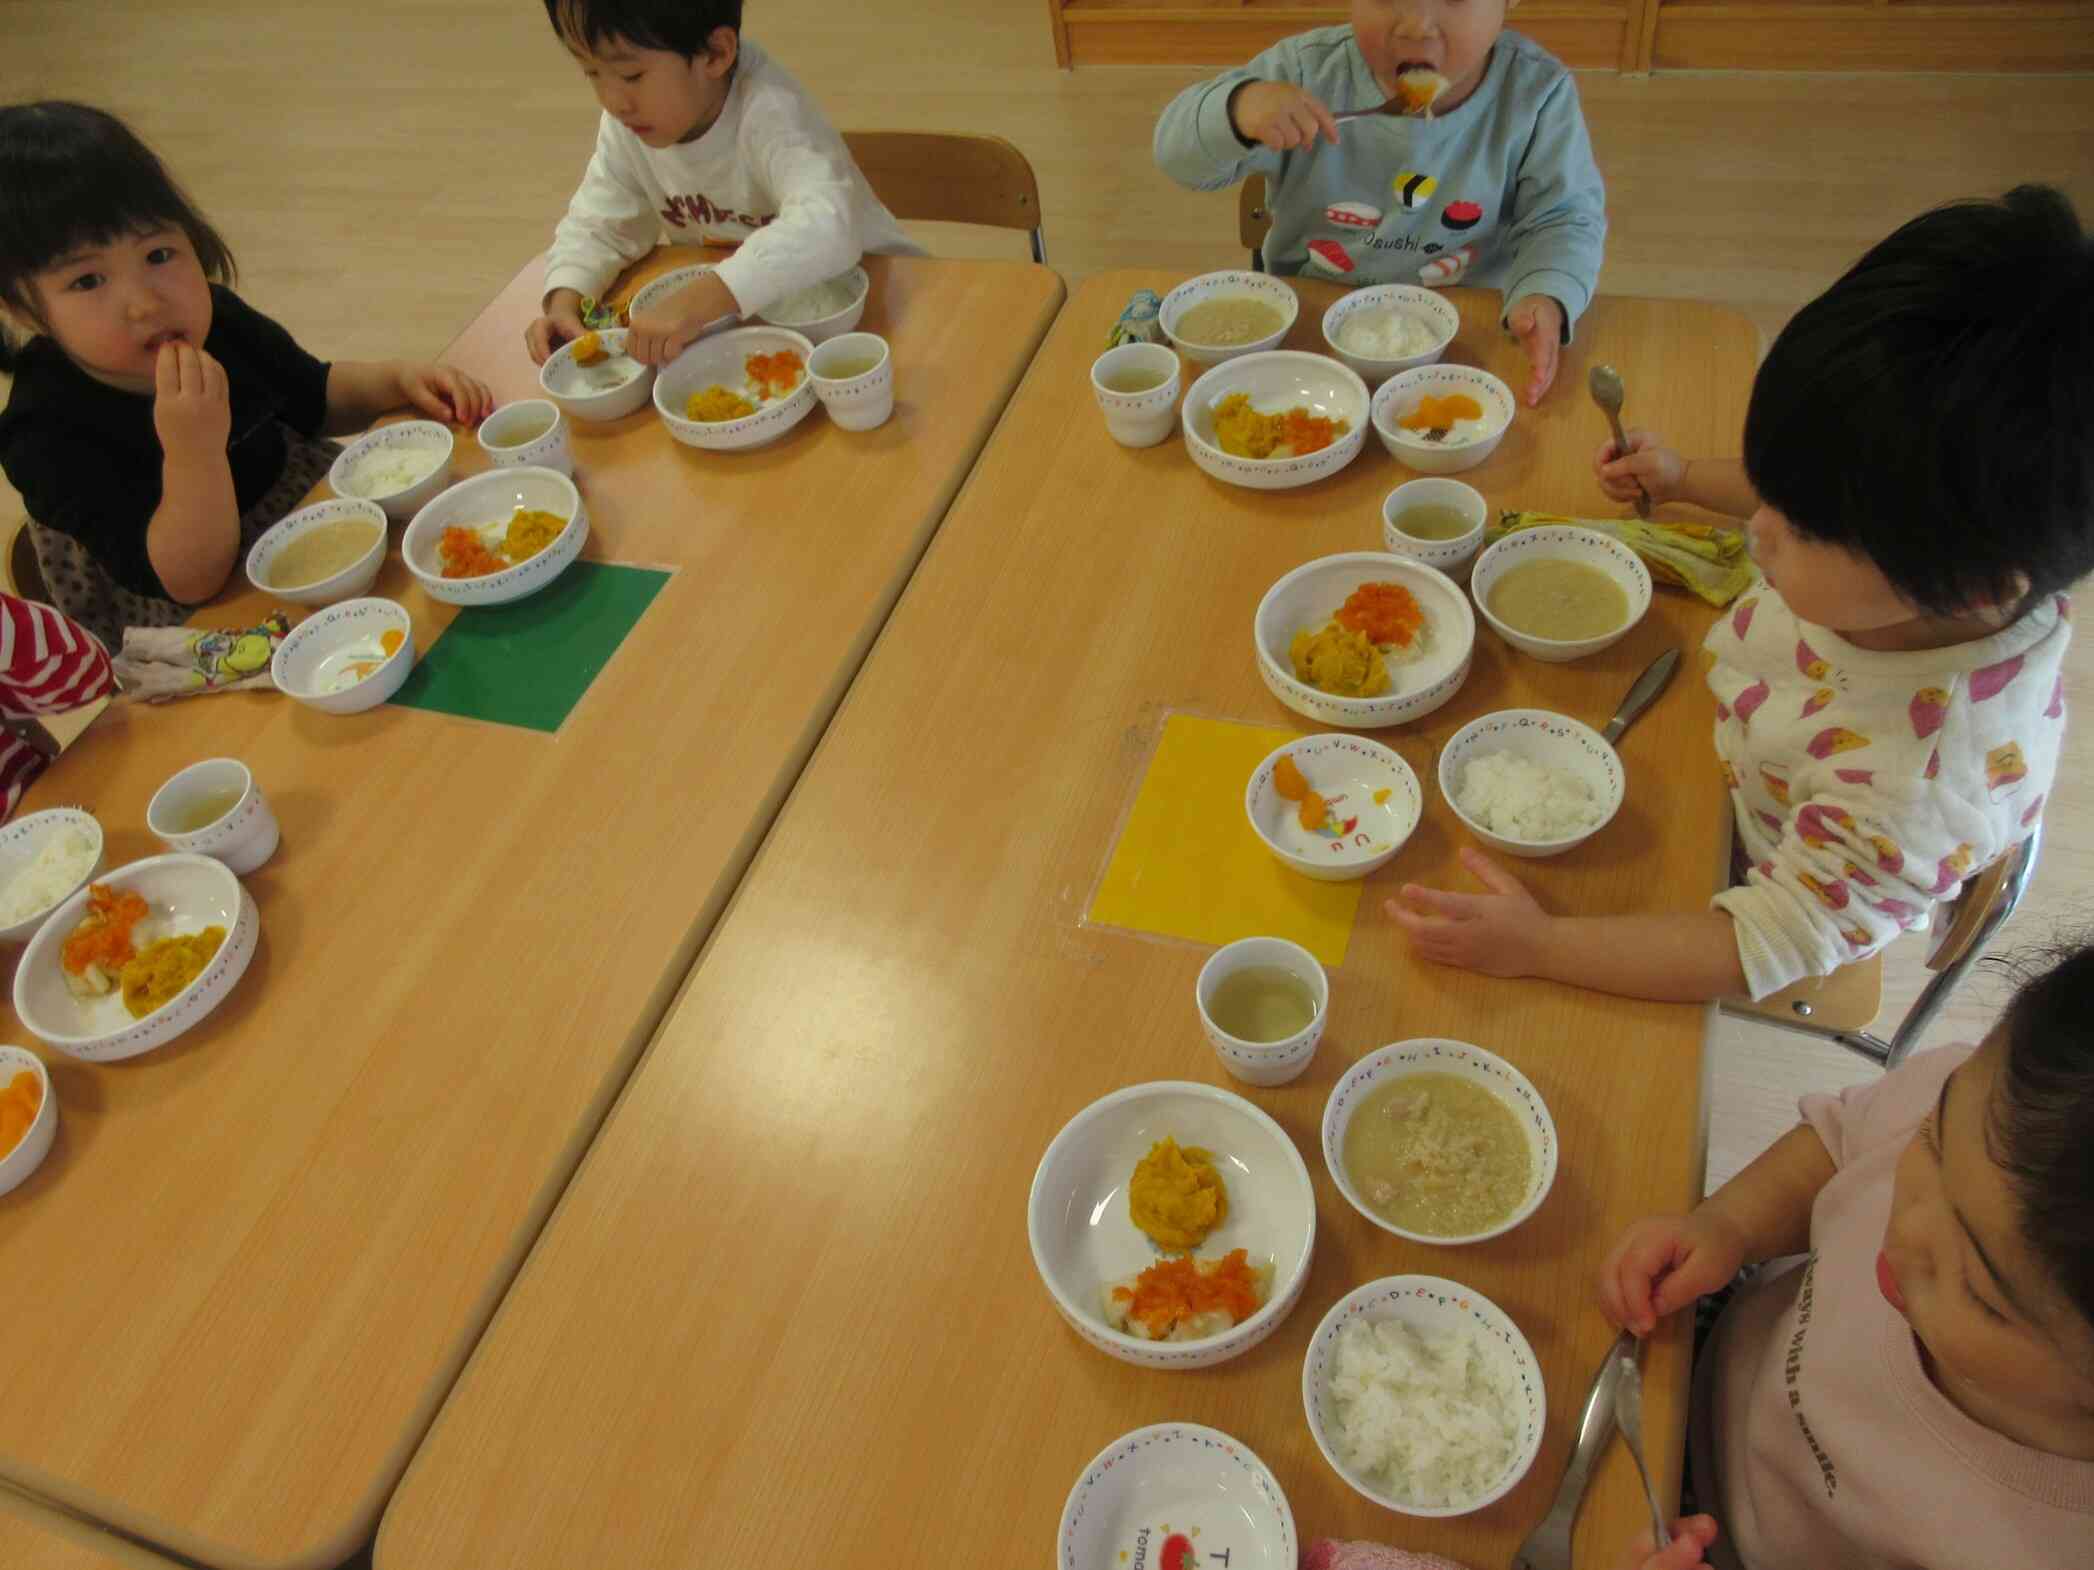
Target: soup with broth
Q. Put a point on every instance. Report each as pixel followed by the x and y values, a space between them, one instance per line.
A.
pixel 1438 1154
pixel 1229 320
pixel 1560 600
pixel 319 553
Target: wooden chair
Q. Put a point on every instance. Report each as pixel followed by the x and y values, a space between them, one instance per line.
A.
pixel 1253 220
pixel 1841 1007
pixel 19 573
pixel 936 177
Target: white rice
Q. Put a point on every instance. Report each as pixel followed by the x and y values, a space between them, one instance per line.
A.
pixel 1433 1418
pixel 384 470
pixel 1386 335
pixel 66 858
pixel 811 305
pixel 1509 795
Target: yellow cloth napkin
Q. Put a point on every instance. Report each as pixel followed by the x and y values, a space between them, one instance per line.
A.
pixel 1703 558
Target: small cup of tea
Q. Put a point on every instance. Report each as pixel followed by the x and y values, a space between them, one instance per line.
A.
pixel 216 809
pixel 1137 385
pixel 1438 522
pixel 531 431
pixel 853 375
pixel 1262 1003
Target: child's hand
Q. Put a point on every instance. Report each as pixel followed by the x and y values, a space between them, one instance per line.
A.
pixel 1281 116
pixel 1537 322
pixel 443 392
pixel 1660 469
pixel 1691 1538
pixel 664 330
pixel 561 322
pixel 191 411
pixel 1498 932
pixel 1663 1263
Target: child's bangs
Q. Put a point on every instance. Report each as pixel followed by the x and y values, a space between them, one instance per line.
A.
pixel 681 27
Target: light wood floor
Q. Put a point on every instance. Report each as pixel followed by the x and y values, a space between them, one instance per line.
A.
pixel 382 169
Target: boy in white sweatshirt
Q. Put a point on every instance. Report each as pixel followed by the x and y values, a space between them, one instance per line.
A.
pixel 705 137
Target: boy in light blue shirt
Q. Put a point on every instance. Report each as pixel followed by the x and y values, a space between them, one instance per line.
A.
pixel 1494 185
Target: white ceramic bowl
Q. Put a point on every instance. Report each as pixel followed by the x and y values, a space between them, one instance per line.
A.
pixel 822 328
pixel 1402 393
pixel 719 360
pixel 1138 419
pixel 1349 772
pixel 493 497
pixel 1309 596
pixel 1429 306
pixel 1454 557
pixel 676 279
pixel 187 893
pixel 1263 1062
pixel 351 581
pixel 242 836
pixel 1553 741
pixel 566 384
pixel 1083 1241
pixel 1189 1478
pixel 35 1144
pixel 1429 1306
pixel 502 436
pixel 1562 542
pixel 1437 1056
pixel 402 504
pixel 856 403
pixel 309 661
pixel 1276 381
pixel 1209 286
pixel 20 842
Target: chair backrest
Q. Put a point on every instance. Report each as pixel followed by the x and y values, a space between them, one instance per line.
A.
pixel 941 177
pixel 19 573
pixel 1986 901
pixel 1253 220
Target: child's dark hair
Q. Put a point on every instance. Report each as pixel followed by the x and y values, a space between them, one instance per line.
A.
pixel 683 27
pixel 2041 1129
pixel 73 176
pixel 1933 411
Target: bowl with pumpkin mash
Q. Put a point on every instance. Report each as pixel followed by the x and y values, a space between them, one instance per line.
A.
pixel 1364 639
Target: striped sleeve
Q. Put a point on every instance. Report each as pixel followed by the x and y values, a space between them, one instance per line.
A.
pixel 48 662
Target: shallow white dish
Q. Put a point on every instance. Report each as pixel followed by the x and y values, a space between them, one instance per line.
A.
pixel 1187 1478
pixel 21 840
pixel 1224 284
pixel 35 1144
pixel 1436 1055
pixel 493 498
pixel 1553 741
pixel 1082 1238
pixel 1428 306
pixel 1430 1306
pixel 822 328
pixel 1309 596
pixel 1563 542
pixel 568 384
pixel 351 581
pixel 1276 381
pixel 186 893
pixel 719 361
pixel 402 504
pixel 1402 393
pixel 1348 772
pixel 316 663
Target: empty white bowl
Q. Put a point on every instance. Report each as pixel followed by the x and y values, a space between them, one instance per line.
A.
pixel 1083 1241
pixel 351 581
pixel 1454 557
pixel 1309 597
pixel 820 329
pixel 186 893
pixel 581 390
pixel 528 434
pixel 21 842
pixel 1552 741
pixel 857 402
pixel 492 498
pixel 1402 393
pixel 1138 419
pixel 719 361
pixel 323 650
pixel 1430 1306
pixel 1434 1055
pixel 1275 382
pixel 673 282
pixel 1562 542
pixel 1192 1479
pixel 1227 285
pixel 29 1151
pixel 1427 306
pixel 402 502
pixel 1360 832
pixel 1263 1062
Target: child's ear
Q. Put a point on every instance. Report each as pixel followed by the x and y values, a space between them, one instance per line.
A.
pixel 722 49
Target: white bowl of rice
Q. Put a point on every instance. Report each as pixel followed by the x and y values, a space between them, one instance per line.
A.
pixel 1424 1396
pixel 1307 598
pixel 827 310
pixel 1392 327
pixel 1531 783
pixel 45 858
pixel 397 466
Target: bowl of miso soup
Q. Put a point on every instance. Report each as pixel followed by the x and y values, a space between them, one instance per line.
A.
pixel 322 554
pixel 1217 316
pixel 1439 1141
pixel 1560 592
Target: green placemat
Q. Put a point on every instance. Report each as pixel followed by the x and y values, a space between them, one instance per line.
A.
pixel 528 663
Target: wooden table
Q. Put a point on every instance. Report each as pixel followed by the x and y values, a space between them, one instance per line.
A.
pixel 258 1257
pixel 36 1537
pixel 788 1300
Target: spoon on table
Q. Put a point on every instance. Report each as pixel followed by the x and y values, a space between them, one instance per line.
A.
pixel 1605 382
pixel 1642 694
pixel 1628 1417
pixel 1548 1546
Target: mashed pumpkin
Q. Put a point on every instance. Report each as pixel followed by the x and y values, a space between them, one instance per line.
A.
pixel 1242 432
pixel 715 404
pixel 1340 661
pixel 1176 1196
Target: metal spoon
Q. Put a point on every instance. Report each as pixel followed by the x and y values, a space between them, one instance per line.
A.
pixel 1628 1417
pixel 1605 382
pixel 1642 695
pixel 1393 106
pixel 1548 1546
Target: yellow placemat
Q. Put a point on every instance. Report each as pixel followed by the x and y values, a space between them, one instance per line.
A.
pixel 1188 866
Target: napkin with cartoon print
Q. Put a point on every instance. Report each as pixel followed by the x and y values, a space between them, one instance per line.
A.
pixel 158 663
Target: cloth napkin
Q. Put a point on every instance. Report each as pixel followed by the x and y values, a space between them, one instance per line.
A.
pixel 1703 558
pixel 1327 1554
pixel 158 663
